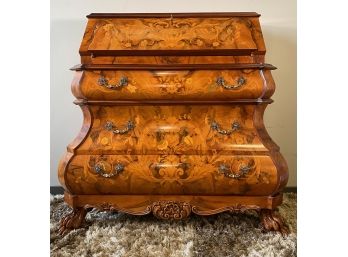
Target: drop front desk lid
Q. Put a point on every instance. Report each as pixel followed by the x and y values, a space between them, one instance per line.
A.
pixel 184 34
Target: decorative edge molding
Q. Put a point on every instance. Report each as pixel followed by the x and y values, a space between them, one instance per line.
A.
pixel 174 15
pixel 235 208
pixel 58 190
pixel 172 102
pixel 173 210
pixel 226 66
pixel 106 206
pixel 163 209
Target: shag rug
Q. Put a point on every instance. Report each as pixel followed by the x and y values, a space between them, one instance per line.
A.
pixel 222 235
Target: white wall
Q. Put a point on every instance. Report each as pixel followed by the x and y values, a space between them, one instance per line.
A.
pixel 278 21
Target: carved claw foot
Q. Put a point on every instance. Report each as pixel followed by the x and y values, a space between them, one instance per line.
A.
pixel 73 220
pixel 272 221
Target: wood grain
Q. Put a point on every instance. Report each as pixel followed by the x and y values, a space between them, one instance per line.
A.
pixel 163 60
pixel 174 34
pixel 172 129
pixel 172 174
pixel 174 85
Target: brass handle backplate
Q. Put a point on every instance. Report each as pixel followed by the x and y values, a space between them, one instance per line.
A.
pixel 242 172
pixel 111 127
pixel 102 81
pixel 220 81
pixel 216 126
pixel 101 170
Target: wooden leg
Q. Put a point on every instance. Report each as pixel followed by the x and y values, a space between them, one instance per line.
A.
pixel 73 220
pixel 272 221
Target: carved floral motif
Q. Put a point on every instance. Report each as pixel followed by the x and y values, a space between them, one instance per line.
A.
pixel 171 210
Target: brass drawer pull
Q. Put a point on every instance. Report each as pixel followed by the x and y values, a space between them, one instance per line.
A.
pixel 220 81
pixel 111 127
pixel 100 169
pixel 102 81
pixel 216 126
pixel 243 171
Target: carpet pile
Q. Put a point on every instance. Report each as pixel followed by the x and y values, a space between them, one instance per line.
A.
pixel 111 234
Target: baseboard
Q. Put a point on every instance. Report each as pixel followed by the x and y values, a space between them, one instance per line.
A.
pixel 290 190
pixel 57 190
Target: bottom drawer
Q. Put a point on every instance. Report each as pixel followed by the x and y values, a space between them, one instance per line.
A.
pixel 171 174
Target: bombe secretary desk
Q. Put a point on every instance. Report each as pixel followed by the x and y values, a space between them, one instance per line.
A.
pixel 173 119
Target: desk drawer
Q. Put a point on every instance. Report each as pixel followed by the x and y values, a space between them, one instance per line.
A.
pixel 171 174
pixel 172 129
pixel 173 84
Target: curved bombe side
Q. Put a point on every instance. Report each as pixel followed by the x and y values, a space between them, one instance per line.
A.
pixel 69 155
pixel 278 159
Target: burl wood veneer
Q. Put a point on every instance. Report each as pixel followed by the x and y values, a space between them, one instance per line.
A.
pixel 173 119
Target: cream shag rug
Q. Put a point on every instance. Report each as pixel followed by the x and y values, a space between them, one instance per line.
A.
pixel 222 235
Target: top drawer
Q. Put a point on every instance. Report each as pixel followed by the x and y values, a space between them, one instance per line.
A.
pixel 173 34
pixel 173 84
